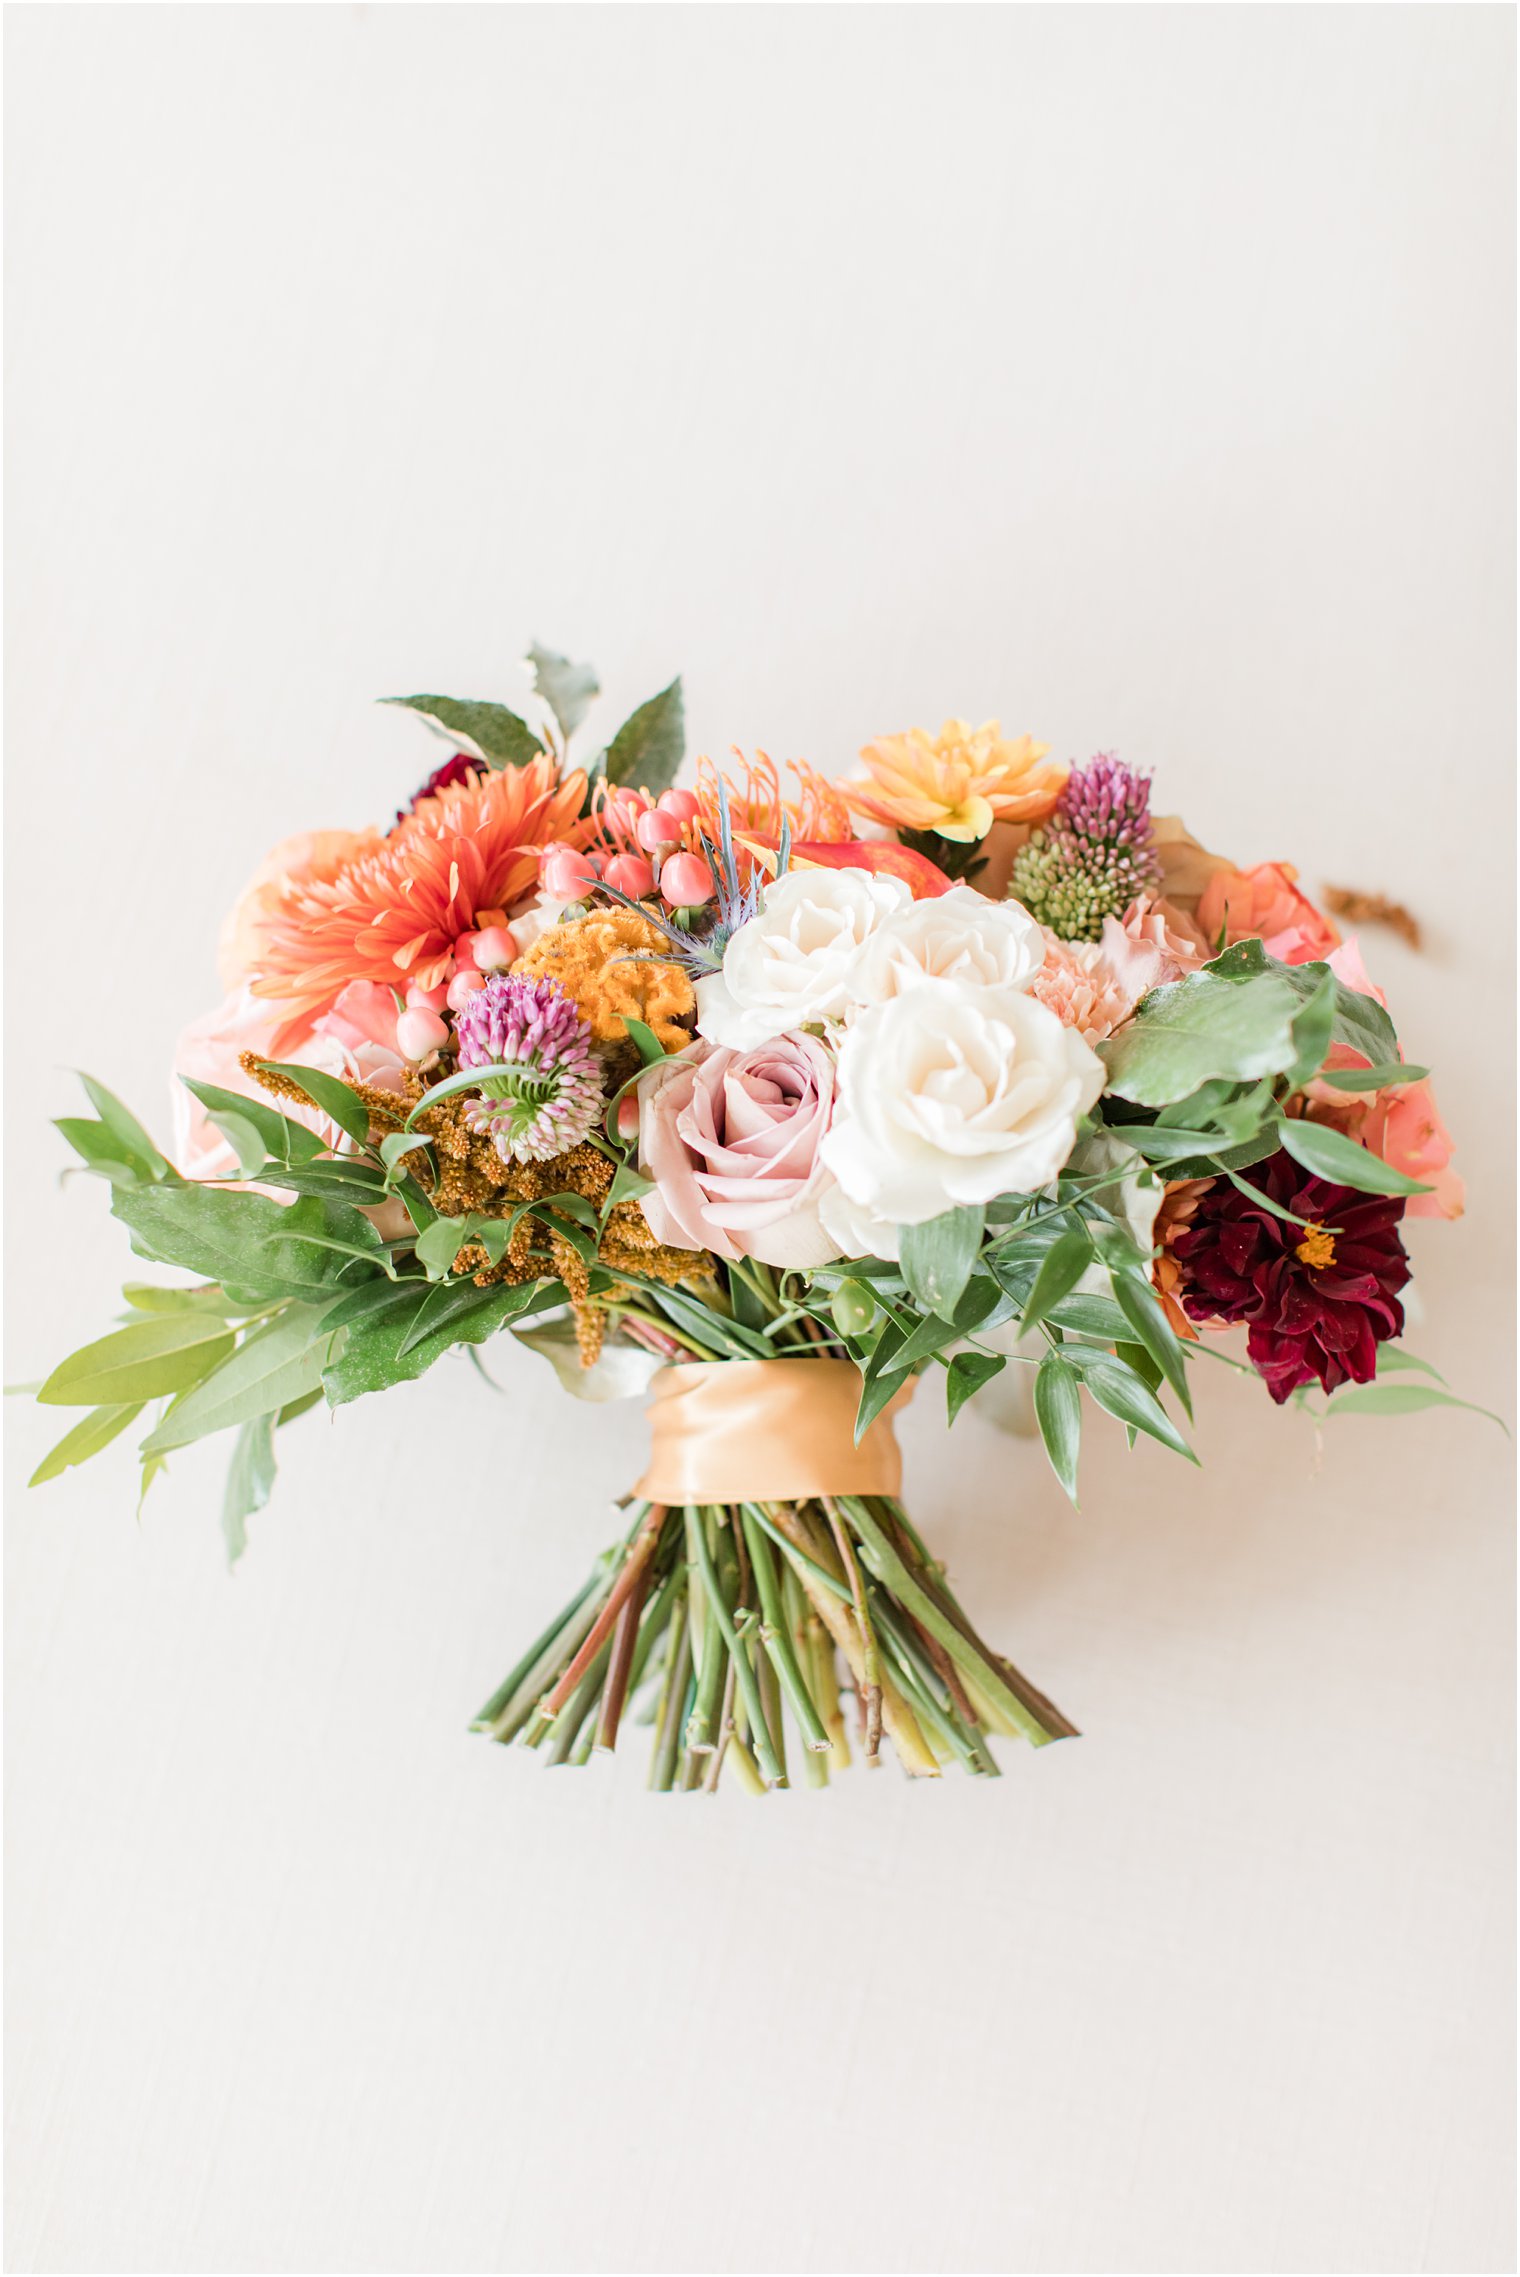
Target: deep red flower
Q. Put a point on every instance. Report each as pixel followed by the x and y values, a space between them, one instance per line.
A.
pixel 460 769
pixel 1318 1299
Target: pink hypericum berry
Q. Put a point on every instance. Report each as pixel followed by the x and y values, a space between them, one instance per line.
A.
pixel 463 986
pixel 419 1032
pixel 426 999
pixel 566 874
pixel 686 881
pixel 495 948
pixel 682 804
pixel 656 829
pixel 628 1116
pixel 631 874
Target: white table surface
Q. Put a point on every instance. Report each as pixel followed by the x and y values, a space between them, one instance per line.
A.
pixel 1141 376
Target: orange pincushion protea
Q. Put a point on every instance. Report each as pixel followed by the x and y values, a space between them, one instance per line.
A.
pixel 465 856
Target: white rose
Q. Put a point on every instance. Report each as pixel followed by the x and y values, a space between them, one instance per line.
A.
pixel 959 935
pixel 793 964
pixel 952 1094
pixel 855 1230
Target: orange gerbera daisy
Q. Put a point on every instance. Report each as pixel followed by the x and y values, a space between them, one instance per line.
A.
pixel 462 858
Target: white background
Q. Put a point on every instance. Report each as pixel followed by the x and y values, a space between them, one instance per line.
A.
pixel 1141 376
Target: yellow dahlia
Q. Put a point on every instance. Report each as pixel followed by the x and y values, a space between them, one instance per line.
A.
pixel 958 783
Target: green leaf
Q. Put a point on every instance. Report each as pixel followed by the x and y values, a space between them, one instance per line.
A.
pixel 627 1185
pixel 250 1477
pixel 279 1361
pixel 937 1258
pixel 287 1141
pixel 325 1091
pixel 372 1358
pixel 102 1153
pixel 150 1359
pixel 1312 1028
pixel 1058 1411
pixel 502 739
pixel 244 1139
pixel 126 1130
pixel 1066 1260
pixel 1154 1332
pixel 246 1242
pixel 148 1296
pixel 1330 1154
pixel 1121 1393
pixel 1384 1077
pixel 1392 1359
pixel 441 1244
pixel 967 1373
pixel 650 1049
pixel 395 1144
pixel 1199 1028
pixel 567 689
pixel 88 1436
pixel 1402 1399
pixel 650 745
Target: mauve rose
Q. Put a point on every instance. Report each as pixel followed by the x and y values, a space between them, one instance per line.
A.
pixel 731 1140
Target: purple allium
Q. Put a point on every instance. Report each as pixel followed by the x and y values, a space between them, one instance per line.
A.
pixel 1094 856
pixel 544 1091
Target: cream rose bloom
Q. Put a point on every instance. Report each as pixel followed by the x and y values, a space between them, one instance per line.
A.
pixel 954 1094
pixel 959 935
pixel 794 963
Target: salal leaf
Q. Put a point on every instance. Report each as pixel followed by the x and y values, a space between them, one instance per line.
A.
pixel 88 1436
pixel 967 1373
pixel 1402 1399
pixel 249 1244
pixel 149 1360
pixel 1359 1021
pixel 937 1258
pixel 568 689
pixel 648 748
pixel 1200 1028
pixel 496 734
pixel 1058 1411
pixel 1330 1154
pixel 250 1479
pixel 372 1357
pixel 279 1361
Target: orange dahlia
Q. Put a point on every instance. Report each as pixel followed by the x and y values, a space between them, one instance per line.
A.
pixel 958 783
pixel 462 858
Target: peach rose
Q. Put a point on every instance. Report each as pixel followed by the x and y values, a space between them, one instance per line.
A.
pixel 1402 1125
pixel 1265 904
pixel 350 1042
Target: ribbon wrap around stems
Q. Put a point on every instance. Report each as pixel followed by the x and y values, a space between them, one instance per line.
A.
pixel 765 1431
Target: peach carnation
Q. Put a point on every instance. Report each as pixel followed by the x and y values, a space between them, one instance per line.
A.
pixel 958 783
pixel 1085 989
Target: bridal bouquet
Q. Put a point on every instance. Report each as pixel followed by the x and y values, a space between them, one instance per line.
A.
pixel 770 1098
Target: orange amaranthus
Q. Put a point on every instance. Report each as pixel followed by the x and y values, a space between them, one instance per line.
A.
pixel 463 858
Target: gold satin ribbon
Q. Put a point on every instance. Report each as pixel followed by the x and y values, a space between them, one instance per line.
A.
pixel 765 1431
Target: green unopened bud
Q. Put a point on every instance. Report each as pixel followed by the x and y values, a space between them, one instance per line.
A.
pixel 853 1309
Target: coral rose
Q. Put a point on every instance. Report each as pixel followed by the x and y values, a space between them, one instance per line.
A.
pixel 1265 904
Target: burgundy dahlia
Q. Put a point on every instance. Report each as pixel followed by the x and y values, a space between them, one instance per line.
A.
pixel 1318 1298
pixel 460 769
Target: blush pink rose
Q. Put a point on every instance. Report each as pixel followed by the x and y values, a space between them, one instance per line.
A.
pixel 1265 904
pixel 731 1140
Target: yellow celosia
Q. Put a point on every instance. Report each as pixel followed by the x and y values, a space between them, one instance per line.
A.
pixel 597 961
pixel 958 783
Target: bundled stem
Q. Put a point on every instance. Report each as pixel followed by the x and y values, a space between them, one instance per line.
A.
pixel 718 1624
